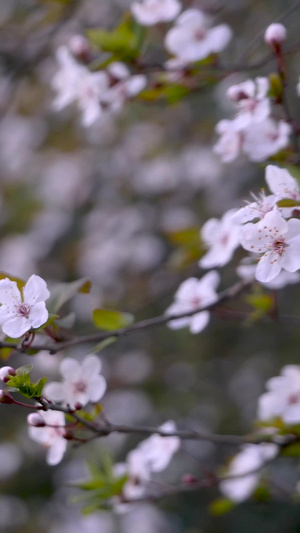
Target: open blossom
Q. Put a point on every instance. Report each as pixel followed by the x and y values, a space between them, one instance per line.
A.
pixel 251 99
pixel 258 209
pixel 261 140
pixel 123 87
pixel 247 271
pixel 192 38
pixel 278 243
pixel 222 237
pixel 282 398
pixel 21 312
pixel 281 183
pixel 138 475
pixel 252 457
pixel 51 437
pixel 82 382
pixel 192 294
pixel 74 83
pixel 150 12
pixel 230 142
pixel 158 451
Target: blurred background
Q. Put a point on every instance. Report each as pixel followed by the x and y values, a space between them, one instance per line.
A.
pixel 122 203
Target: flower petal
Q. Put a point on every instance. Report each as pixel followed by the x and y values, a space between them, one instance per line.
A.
pixel 38 315
pixel 56 451
pixel 16 327
pixel 9 293
pixel 70 368
pixel 55 391
pixel 96 388
pixel 35 290
pixel 91 365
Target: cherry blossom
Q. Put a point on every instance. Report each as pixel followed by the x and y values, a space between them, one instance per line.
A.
pixel 51 436
pixel 150 12
pixel 192 294
pixel 258 209
pixel 252 457
pixel 138 475
pixel 222 237
pixel 192 39
pixel 158 451
pixel 230 143
pixel 282 398
pixel 123 86
pixel 278 242
pixel 261 140
pixel 74 83
pixel 284 278
pixel 82 382
pixel 21 312
pixel 252 102
pixel 281 183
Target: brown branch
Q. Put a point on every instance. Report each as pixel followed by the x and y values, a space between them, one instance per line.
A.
pixel 228 294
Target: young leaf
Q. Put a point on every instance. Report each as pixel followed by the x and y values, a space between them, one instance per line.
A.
pixel 63 292
pixel 111 320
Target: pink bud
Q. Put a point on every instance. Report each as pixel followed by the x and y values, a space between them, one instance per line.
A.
pixel 189 479
pixel 80 47
pixel 36 420
pixel 5 372
pixel 78 406
pixel 275 34
pixel 5 397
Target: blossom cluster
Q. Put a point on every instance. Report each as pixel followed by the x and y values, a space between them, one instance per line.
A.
pixel 191 39
pixel 150 456
pixel 270 232
pixel 253 130
pixel 93 92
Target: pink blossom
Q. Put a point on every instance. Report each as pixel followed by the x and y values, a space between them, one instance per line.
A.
pixel 51 436
pixel 221 237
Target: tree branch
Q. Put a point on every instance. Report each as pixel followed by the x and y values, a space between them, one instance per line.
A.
pixel 228 294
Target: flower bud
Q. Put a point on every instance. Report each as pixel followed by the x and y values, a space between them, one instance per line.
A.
pixel 5 372
pixel 5 397
pixel 78 406
pixel 275 34
pixel 36 420
pixel 80 48
pixel 189 479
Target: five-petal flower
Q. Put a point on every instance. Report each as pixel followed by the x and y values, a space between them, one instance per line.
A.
pixel 19 313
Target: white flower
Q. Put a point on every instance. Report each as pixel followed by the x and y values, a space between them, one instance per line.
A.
pixel 138 475
pixel 251 458
pixel 230 142
pixel 150 12
pixel 192 294
pixel 51 437
pixel 282 398
pixel 124 86
pixel 222 237
pixel 281 183
pixel 158 451
pixel 284 278
pixel 275 34
pixel 261 140
pixel 19 313
pixel 258 209
pixel 191 39
pixel 278 242
pixel 74 83
pixel 251 100
pixel 82 382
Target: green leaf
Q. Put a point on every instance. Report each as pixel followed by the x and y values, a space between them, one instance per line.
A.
pixel 63 292
pixel 175 93
pixel 276 87
pixel 262 302
pixel 292 450
pixel 124 42
pixel 40 385
pixel 24 371
pixel 221 506
pixel 111 320
pixel 288 202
